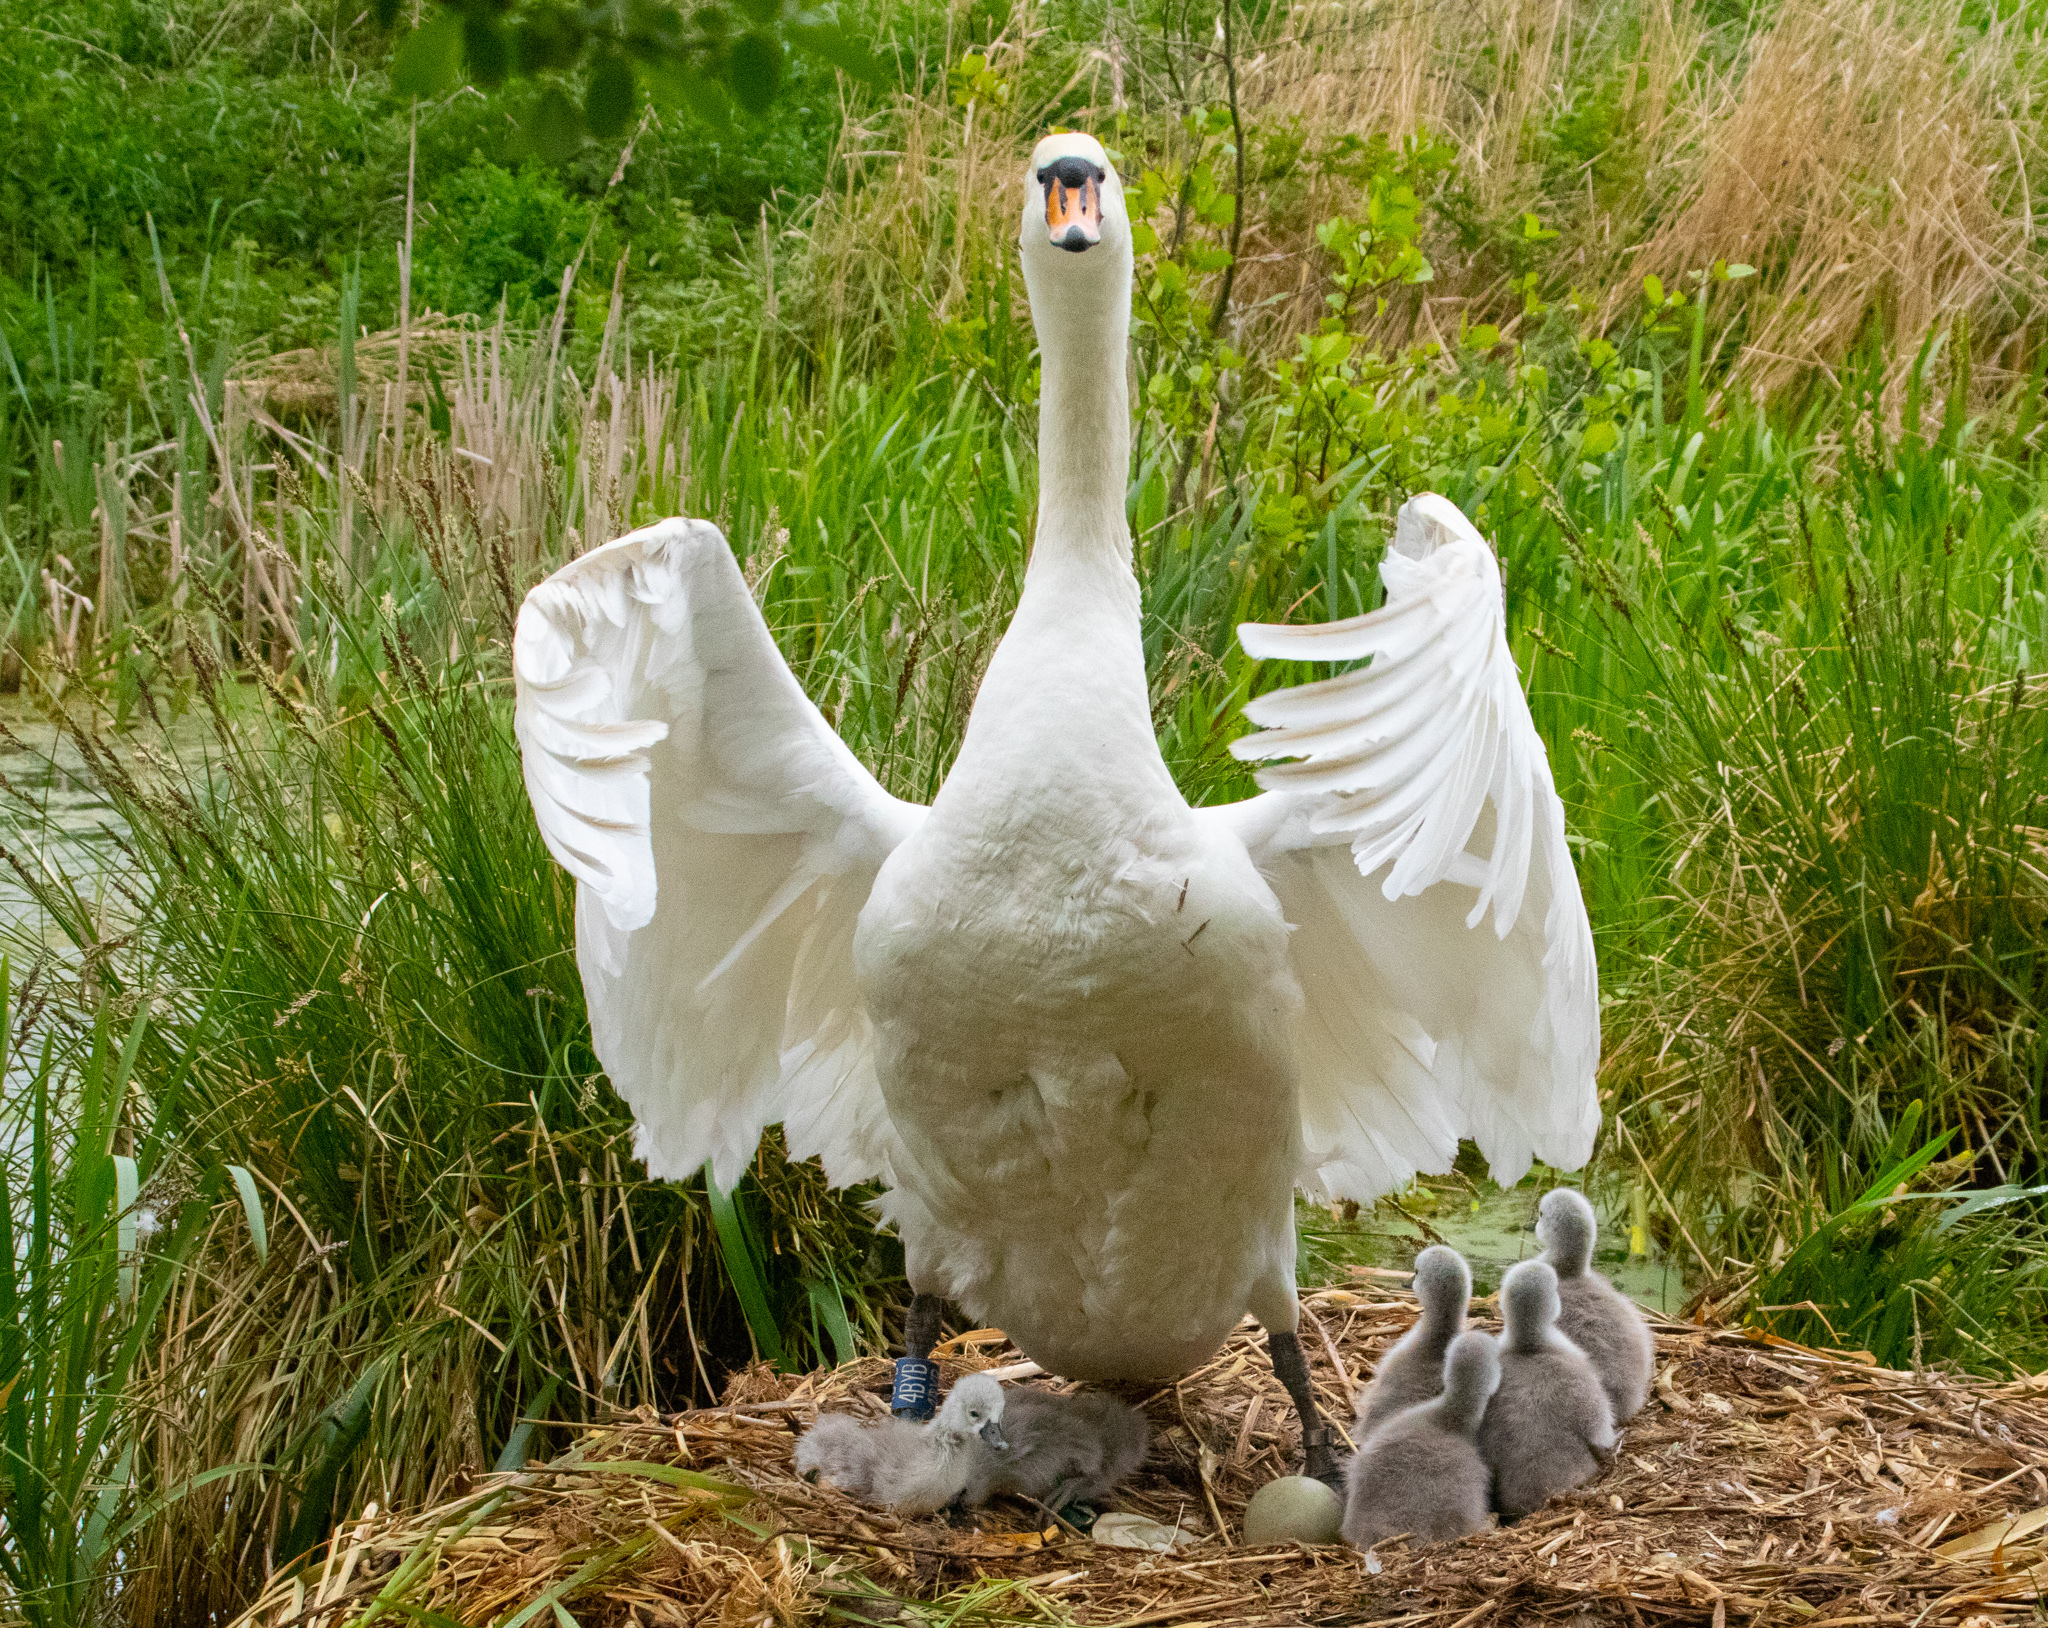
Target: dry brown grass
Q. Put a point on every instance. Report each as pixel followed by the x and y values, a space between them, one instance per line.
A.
pixel 1873 163
pixel 1870 163
pixel 1764 1482
pixel 922 207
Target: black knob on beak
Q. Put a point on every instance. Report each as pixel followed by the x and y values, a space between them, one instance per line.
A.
pixel 1069 172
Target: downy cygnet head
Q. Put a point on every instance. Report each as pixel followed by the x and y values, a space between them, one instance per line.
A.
pixel 974 1407
pixel 1443 1283
pixel 1471 1376
pixel 1565 1227
pixel 1529 1306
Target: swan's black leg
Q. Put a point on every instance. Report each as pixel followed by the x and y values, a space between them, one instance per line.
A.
pixel 1318 1440
pixel 917 1376
pixel 921 1325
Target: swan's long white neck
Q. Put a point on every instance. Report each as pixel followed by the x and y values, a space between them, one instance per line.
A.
pixel 1084 411
pixel 1063 714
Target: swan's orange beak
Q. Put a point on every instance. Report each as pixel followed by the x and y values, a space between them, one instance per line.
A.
pixel 1073 214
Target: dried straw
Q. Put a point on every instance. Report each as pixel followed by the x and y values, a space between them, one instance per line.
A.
pixel 1765 1481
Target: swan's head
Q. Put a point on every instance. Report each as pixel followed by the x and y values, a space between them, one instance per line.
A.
pixel 1565 1227
pixel 973 1407
pixel 1076 234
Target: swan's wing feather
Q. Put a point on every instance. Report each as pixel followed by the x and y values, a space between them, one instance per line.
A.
pixel 723 840
pixel 1417 846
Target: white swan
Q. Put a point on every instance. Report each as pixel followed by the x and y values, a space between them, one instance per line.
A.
pixel 1090 1039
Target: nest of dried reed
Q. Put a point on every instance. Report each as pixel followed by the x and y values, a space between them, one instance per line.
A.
pixel 1765 1482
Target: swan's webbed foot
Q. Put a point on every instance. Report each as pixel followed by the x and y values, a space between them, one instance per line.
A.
pixel 1318 1440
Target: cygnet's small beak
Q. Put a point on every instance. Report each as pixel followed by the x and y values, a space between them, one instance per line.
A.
pixel 1073 204
pixel 992 1433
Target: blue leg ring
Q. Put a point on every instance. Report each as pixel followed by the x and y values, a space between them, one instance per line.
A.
pixel 917 1388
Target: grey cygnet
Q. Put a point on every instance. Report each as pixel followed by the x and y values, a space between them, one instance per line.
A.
pixel 1062 1449
pixel 1592 1314
pixel 910 1468
pixel 1413 1371
pixel 1421 1472
pixel 1549 1427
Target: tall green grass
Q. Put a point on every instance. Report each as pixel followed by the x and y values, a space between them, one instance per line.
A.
pixel 360 958
pixel 1781 666
pixel 102 1219
pixel 1783 657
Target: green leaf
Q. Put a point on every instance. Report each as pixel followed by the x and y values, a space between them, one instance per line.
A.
pixel 337 1436
pixel 555 127
pixel 489 54
pixel 674 1475
pixel 840 48
pixel 125 1186
pixel 93 1543
pixel 830 1306
pixel 252 1211
pixel 515 1450
pixel 1483 336
pixel 608 103
pixel 548 39
pixel 429 59
pixel 1653 289
pixel 710 101
pixel 755 71
pixel 1143 239
pixel 514 1455
pixel 740 1269
pixel 1738 271
pixel 1986 1198
pixel 1599 440
pixel 419 1613
pixel 678 84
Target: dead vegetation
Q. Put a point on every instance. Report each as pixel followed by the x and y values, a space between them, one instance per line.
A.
pixel 1765 1482
pixel 1872 161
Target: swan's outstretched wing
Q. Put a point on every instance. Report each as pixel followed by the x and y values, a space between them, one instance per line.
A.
pixel 723 840
pixel 1417 846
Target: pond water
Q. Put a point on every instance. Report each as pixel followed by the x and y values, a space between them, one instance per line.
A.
pixel 1491 1227
pixel 55 822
